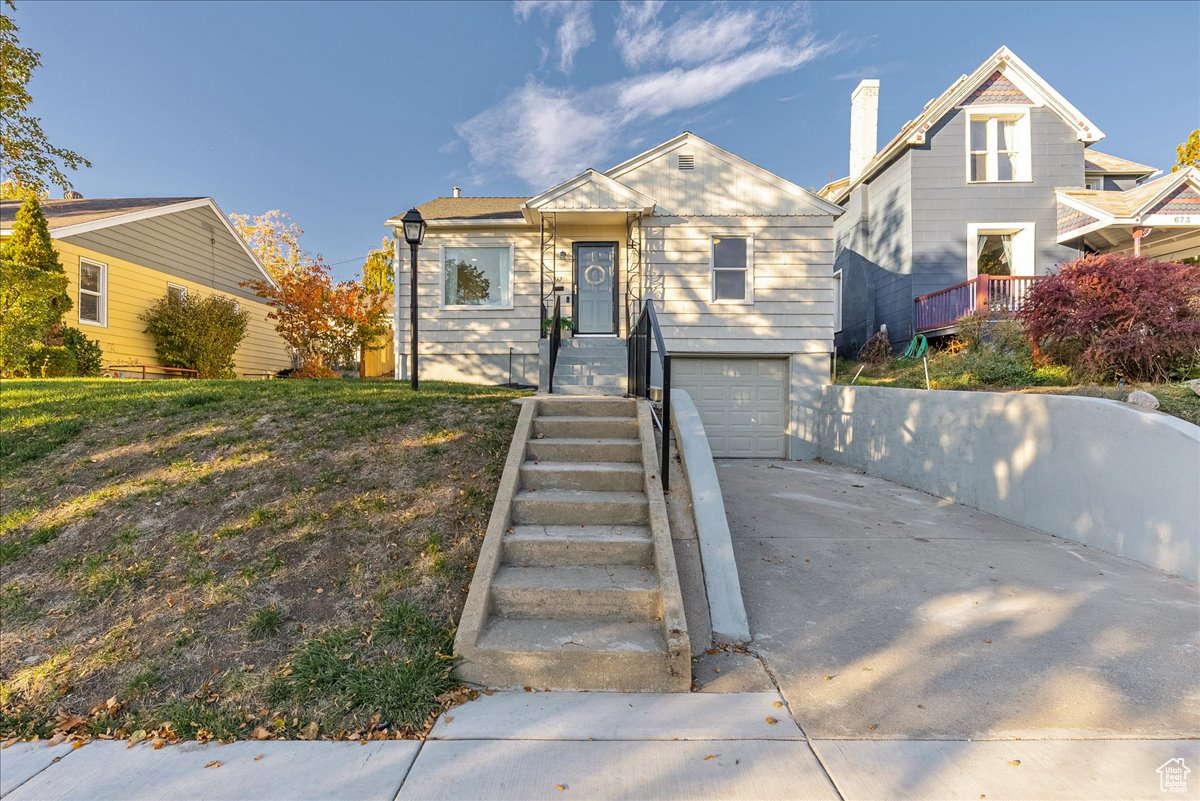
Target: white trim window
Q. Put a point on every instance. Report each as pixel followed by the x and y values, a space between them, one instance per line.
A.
pixel 837 301
pixel 176 292
pixel 1094 182
pixel 998 145
pixel 93 292
pixel 731 260
pixel 1000 249
pixel 476 277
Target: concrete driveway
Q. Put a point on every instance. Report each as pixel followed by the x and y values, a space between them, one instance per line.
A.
pixel 886 613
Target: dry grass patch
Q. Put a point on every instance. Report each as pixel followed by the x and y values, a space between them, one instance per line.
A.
pixel 238 557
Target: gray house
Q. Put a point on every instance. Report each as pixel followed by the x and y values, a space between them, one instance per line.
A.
pixel 963 208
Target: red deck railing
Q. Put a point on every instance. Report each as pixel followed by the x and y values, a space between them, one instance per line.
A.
pixel 996 294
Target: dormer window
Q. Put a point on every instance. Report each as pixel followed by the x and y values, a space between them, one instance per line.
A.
pixel 998 146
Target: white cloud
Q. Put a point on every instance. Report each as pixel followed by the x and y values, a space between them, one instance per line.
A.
pixel 544 134
pixel 575 30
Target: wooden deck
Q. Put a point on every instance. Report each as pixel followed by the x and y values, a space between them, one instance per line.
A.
pixel 995 294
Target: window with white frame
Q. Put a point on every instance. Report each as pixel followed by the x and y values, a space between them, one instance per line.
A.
pixel 474 277
pixel 93 292
pixel 837 301
pixel 998 146
pixel 732 280
pixel 176 292
pixel 1000 249
pixel 1094 182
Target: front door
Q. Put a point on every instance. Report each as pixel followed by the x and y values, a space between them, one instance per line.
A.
pixel 596 279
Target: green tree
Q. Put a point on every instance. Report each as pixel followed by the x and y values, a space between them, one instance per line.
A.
pixel 378 269
pixel 1188 153
pixel 33 288
pixel 30 162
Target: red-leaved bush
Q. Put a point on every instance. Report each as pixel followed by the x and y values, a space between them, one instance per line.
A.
pixel 1118 316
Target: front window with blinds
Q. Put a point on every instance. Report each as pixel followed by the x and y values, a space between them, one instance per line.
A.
pixel 998 148
pixel 731 279
pixel 93 292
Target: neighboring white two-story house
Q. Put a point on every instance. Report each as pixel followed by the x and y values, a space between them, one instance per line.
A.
pixel 987 188
pixel 738 262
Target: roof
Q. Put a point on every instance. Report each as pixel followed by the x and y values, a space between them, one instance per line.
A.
pixel 61 213
pixel 592 191
pixel 468 208
pixel 1014 71
pixel 1095 161
pixel 67 218
pixel 1176 193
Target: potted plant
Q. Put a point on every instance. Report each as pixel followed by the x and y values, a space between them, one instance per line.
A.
pixel 564 324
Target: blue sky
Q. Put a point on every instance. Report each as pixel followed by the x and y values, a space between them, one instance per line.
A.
pixel 343 114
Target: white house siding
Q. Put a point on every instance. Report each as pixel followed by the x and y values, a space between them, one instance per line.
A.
pixel 473 345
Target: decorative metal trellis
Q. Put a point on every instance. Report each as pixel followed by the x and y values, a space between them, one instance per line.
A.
pixel 634 270
pixel 549 272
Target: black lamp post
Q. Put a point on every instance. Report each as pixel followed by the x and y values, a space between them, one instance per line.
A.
pixel 414 233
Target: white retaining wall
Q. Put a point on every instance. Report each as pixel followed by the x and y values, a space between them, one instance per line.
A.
pixel 1094 471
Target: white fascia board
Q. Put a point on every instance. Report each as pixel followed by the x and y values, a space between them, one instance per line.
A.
pixel 638 201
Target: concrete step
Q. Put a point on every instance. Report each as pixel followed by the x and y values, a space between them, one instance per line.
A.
pixel 591 391
pixel 596 476
pixel 573 449
pixel 585 426
pixel 592 343
pixel 547 546
pixel 579 507
pixel 572 654
pixel 590 407
pixel 622 592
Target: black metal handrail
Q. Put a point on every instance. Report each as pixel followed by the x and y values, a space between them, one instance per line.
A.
pixel 555 339
pixel 639 349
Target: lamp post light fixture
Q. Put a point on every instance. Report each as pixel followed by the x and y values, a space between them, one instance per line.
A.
pixel 414 233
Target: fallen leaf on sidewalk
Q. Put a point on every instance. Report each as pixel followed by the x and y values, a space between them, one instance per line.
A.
pixel 447 718
pixel 777 704
pixel 260 756
pixel 873 727
pixel 711 756
pixel 560 787
pixel 1014 762
pixel 216 763
pixel 8 742
pixel 77 744
pixel 772 721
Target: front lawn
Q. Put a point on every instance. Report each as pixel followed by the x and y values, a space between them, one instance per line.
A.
pixel 238 559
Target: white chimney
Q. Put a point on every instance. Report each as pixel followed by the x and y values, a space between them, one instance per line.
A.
pixel 864 125
pixel 457 191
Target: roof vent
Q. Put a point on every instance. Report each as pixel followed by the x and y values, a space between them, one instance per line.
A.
pixel 687 161
pixel 457 191
pixel 71 194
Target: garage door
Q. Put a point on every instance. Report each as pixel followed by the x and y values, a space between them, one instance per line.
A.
pixel 742 402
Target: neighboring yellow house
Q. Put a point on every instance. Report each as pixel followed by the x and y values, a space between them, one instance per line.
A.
pixel 123 254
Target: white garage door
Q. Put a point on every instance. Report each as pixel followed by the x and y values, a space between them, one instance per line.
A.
pixel 742 402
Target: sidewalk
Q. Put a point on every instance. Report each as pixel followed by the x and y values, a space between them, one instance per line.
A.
pixel 516 746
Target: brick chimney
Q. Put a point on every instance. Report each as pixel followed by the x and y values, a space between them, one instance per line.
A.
pixel 864 125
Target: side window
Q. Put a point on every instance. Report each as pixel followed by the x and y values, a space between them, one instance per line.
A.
pixel 177 293
pixel 731 276
pixel 998 148
pixel 93 292
pixel 837 301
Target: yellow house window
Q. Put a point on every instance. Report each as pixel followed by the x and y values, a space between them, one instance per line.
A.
pixel 177 293
pixel 93 292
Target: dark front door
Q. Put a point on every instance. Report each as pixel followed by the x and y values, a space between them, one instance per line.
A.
pixel 596 279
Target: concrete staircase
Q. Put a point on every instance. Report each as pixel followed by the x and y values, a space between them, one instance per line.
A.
pixel 591 366
pixel 576 586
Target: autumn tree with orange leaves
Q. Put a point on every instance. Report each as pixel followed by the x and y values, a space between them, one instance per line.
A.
pixel 326 322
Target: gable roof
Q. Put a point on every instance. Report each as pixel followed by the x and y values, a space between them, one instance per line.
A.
pixel 689 139
pixel 1016 75
pixel 1095 161
pixel 71 217
pixel 606 195
pixel 1176 193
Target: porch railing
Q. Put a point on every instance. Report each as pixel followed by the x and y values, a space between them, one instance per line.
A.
pixel 645 341
pixel 995 294
pixel 555 340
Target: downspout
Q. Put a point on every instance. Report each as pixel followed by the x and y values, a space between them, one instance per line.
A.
pixel 396 305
